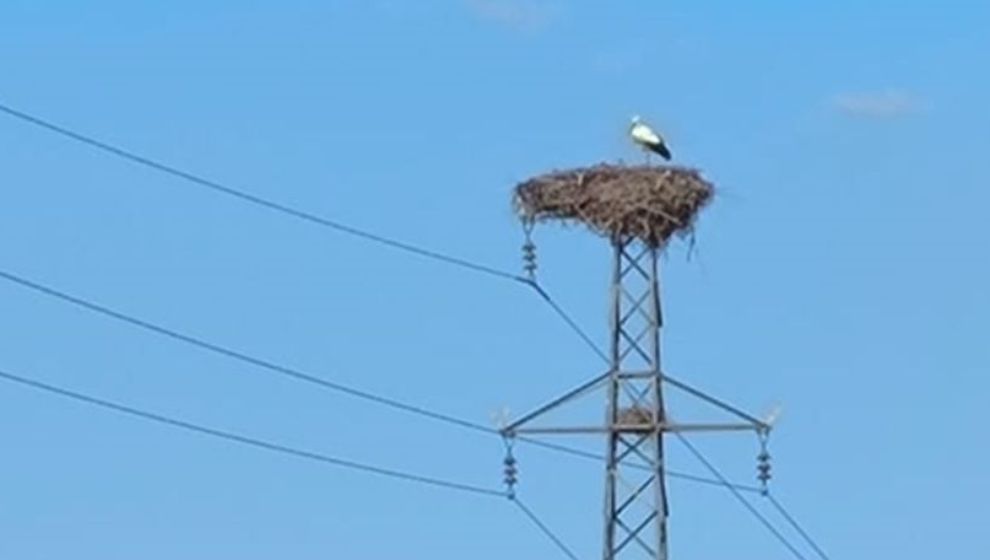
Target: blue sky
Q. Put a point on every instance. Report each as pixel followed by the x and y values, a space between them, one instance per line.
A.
pixel 843 271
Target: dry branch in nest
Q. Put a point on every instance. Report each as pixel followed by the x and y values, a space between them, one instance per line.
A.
pixel 646 202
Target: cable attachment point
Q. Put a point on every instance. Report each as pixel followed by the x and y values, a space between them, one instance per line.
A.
pixel 509 469
pixel 763 466
pixel 529 250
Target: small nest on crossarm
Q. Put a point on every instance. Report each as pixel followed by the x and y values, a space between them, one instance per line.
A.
pixel 646 202
pixel 636 417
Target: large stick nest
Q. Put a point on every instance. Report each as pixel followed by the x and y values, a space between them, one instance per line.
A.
pixel 649 203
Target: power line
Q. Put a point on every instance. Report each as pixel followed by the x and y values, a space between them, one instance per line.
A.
pixel 590 343
pixel 736 488
pixel 368 236
pixel 240 356
pixel 715 482
pixel 283 449
pixel 304 215
pixel 796 526
pixel 295 373
pixel 255 199
pixel 315 219
pixel 237 355
pixel 245 440
pixel 570 321
pixel 742 499
pixel 544 528
pixel 590 455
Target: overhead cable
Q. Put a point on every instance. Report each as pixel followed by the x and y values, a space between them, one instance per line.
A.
pixel 245 440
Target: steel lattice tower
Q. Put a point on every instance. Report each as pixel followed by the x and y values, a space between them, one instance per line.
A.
pixel 639 209
pixel 635 418
pixel 637 421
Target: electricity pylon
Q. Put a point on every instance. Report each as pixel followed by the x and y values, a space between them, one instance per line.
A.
pixel 636 423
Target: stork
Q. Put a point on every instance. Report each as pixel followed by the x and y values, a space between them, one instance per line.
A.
pixel 648 139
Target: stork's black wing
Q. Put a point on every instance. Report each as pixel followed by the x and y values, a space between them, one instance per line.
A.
pixel 661 149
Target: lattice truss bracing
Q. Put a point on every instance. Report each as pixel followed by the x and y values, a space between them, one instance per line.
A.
pixel 635 498
pixel 636 422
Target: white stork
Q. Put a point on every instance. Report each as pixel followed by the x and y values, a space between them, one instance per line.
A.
pixel 648 139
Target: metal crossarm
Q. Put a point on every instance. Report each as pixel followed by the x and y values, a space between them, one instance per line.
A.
pixel 636 423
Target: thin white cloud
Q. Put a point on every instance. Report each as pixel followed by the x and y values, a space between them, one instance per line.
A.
pixel 885 104
pixel 520 15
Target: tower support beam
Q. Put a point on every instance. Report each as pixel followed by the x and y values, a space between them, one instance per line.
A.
pixel 636 506
pixel 636 421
